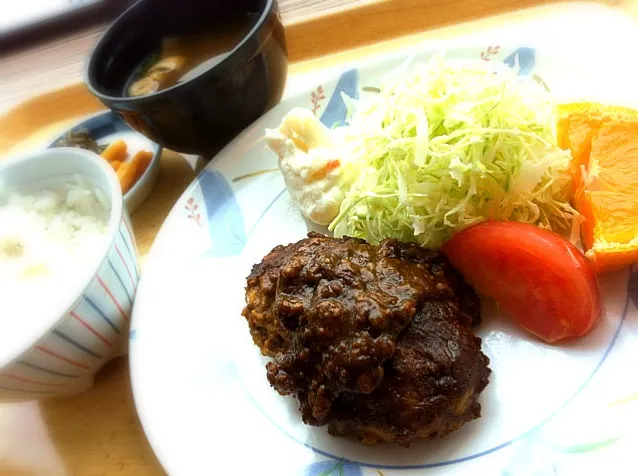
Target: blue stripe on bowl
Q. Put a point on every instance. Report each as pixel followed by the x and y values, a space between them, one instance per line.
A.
pixel 126 233
pixel 121 281
pixel 100 313
pixel 128 251
pixel 66 358
pixel 115 288
pixel 76 344
pixel 46 370
pixel 108 301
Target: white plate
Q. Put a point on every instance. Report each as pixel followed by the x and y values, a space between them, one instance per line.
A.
pixel 199 382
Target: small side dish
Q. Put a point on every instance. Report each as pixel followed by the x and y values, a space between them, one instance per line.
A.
pixel 134 158
pixel 129 169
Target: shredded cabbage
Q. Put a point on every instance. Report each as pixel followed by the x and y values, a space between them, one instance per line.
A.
pixel 448 146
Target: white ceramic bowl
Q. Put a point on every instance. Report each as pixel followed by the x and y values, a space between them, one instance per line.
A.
pixel 61 356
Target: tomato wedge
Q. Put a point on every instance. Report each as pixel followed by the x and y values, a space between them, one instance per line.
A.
pixel 540 279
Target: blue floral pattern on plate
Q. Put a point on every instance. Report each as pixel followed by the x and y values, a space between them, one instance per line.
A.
pixel 223 215
pixel 336 111
pixel 526 58
pixel 333 468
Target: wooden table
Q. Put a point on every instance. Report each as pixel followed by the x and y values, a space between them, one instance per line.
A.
pixel 98 432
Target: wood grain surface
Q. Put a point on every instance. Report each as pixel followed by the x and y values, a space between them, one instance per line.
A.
pixel 98 432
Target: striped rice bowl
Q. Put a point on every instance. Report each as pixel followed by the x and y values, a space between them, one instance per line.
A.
pixel 60 321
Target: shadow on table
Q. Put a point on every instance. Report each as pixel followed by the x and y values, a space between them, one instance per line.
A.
pixel 98 432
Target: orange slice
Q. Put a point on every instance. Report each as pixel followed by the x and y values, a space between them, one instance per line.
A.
pixel 604 145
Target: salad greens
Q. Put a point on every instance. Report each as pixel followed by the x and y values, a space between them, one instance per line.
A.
pixel 450 145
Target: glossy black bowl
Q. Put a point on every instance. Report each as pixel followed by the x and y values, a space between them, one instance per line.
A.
pixel 198 115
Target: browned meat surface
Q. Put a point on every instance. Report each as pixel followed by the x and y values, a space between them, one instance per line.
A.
pixel 374 341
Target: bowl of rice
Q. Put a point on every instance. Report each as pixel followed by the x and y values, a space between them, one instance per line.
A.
pixel 68 272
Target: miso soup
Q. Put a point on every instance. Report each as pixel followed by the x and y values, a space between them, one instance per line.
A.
pixel 182 58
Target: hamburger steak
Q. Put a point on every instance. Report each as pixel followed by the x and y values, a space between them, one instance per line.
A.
pixel 374 341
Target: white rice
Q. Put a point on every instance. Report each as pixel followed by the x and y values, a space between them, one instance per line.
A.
pixel 50 242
